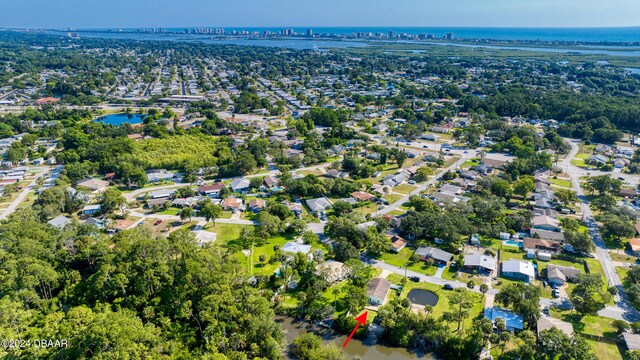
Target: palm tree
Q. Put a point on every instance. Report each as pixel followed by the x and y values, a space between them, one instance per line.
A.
pixel 483 289
pixel 335 293
pixel 482 154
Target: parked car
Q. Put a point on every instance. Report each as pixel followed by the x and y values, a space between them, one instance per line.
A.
pixel 555 293
pixel 158 222
pixel 448 286
pixel 415 279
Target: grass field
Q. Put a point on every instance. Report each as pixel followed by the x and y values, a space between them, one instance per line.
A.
pixel 561 182
pixel 404 188
pixel 391 198
pixel 170 211
pixel 225 232
pixel 443 300
pixel 401 258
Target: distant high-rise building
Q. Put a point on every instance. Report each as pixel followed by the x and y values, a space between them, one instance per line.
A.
pixel 309 32
pixel 450 36
pixel 392 34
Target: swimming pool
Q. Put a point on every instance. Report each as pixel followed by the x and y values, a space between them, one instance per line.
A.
pixel 512 243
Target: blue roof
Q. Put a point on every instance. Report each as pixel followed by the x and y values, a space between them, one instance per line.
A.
pixel 511 319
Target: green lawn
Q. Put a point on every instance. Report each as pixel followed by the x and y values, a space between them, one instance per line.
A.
pixel 265 249
pixel 604 350
pixel 391 198
pixel 591 325
pixel 443 300
pixel 225 232
pixel 622 272
pixel 401 258
pixel 471 162
pixel 622 257
pixel 366 209
pixel 450 274
pixel 404 188
pixel 170 211
pixel 561 182
pixel 397 212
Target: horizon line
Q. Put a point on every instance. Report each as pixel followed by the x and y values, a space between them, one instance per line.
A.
pixel 328 27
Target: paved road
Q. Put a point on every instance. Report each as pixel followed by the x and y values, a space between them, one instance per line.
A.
pixel 613 312
pixel 135 194
pixel 420 188
pixel 23 194
pixel 623 307
pixel 195 218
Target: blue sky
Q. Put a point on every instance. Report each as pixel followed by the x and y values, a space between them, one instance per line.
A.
pixel 303 13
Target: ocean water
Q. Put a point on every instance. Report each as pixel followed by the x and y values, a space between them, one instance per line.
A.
pixel 613 34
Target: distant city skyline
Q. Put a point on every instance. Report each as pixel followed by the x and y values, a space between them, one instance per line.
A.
pixel 327 13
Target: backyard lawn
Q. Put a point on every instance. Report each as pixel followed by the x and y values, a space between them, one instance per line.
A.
pixel 561 182
pixel 225 232
pixel 404 188
pixel 443 300
pixel 401 258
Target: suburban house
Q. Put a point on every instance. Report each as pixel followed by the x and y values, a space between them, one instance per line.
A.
pixel 212 190
pixel 240 185
pixel 632 341
pixel 161 194
pixel 295 207
pixel 544 222
pixel 59 222
pixel 513 321
pixel 529 243
pixel 318 205
pixel 558 275
pixel 397 243
pixel 628 193
pixel 451 189
pixel 547 322
pixel 332 271
pixel 95 185
pixel 480 262
pixel 361 196
pixel 430 137
pixel 634 246
pixel 336 174
pixel 294 248
pixel 438 256
pixel 547 234
pixel 205 237
pixel 598 159
pixel 159 175
pixel 257 205
pixel 270 181
pixel 190 201
pixel 517 269
pixel 91 209
pixel 377 290
pixel 232 204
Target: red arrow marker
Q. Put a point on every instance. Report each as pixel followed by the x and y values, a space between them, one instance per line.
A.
pixel 362 319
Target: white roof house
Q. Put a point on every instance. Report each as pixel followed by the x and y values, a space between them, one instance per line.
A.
pixel 294 248
pixel 319 204
pixel 59 221
pixel 518 269
pixel 240 184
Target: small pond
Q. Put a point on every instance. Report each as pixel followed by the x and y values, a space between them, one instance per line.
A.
pixel 422 297
pixel 119 119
